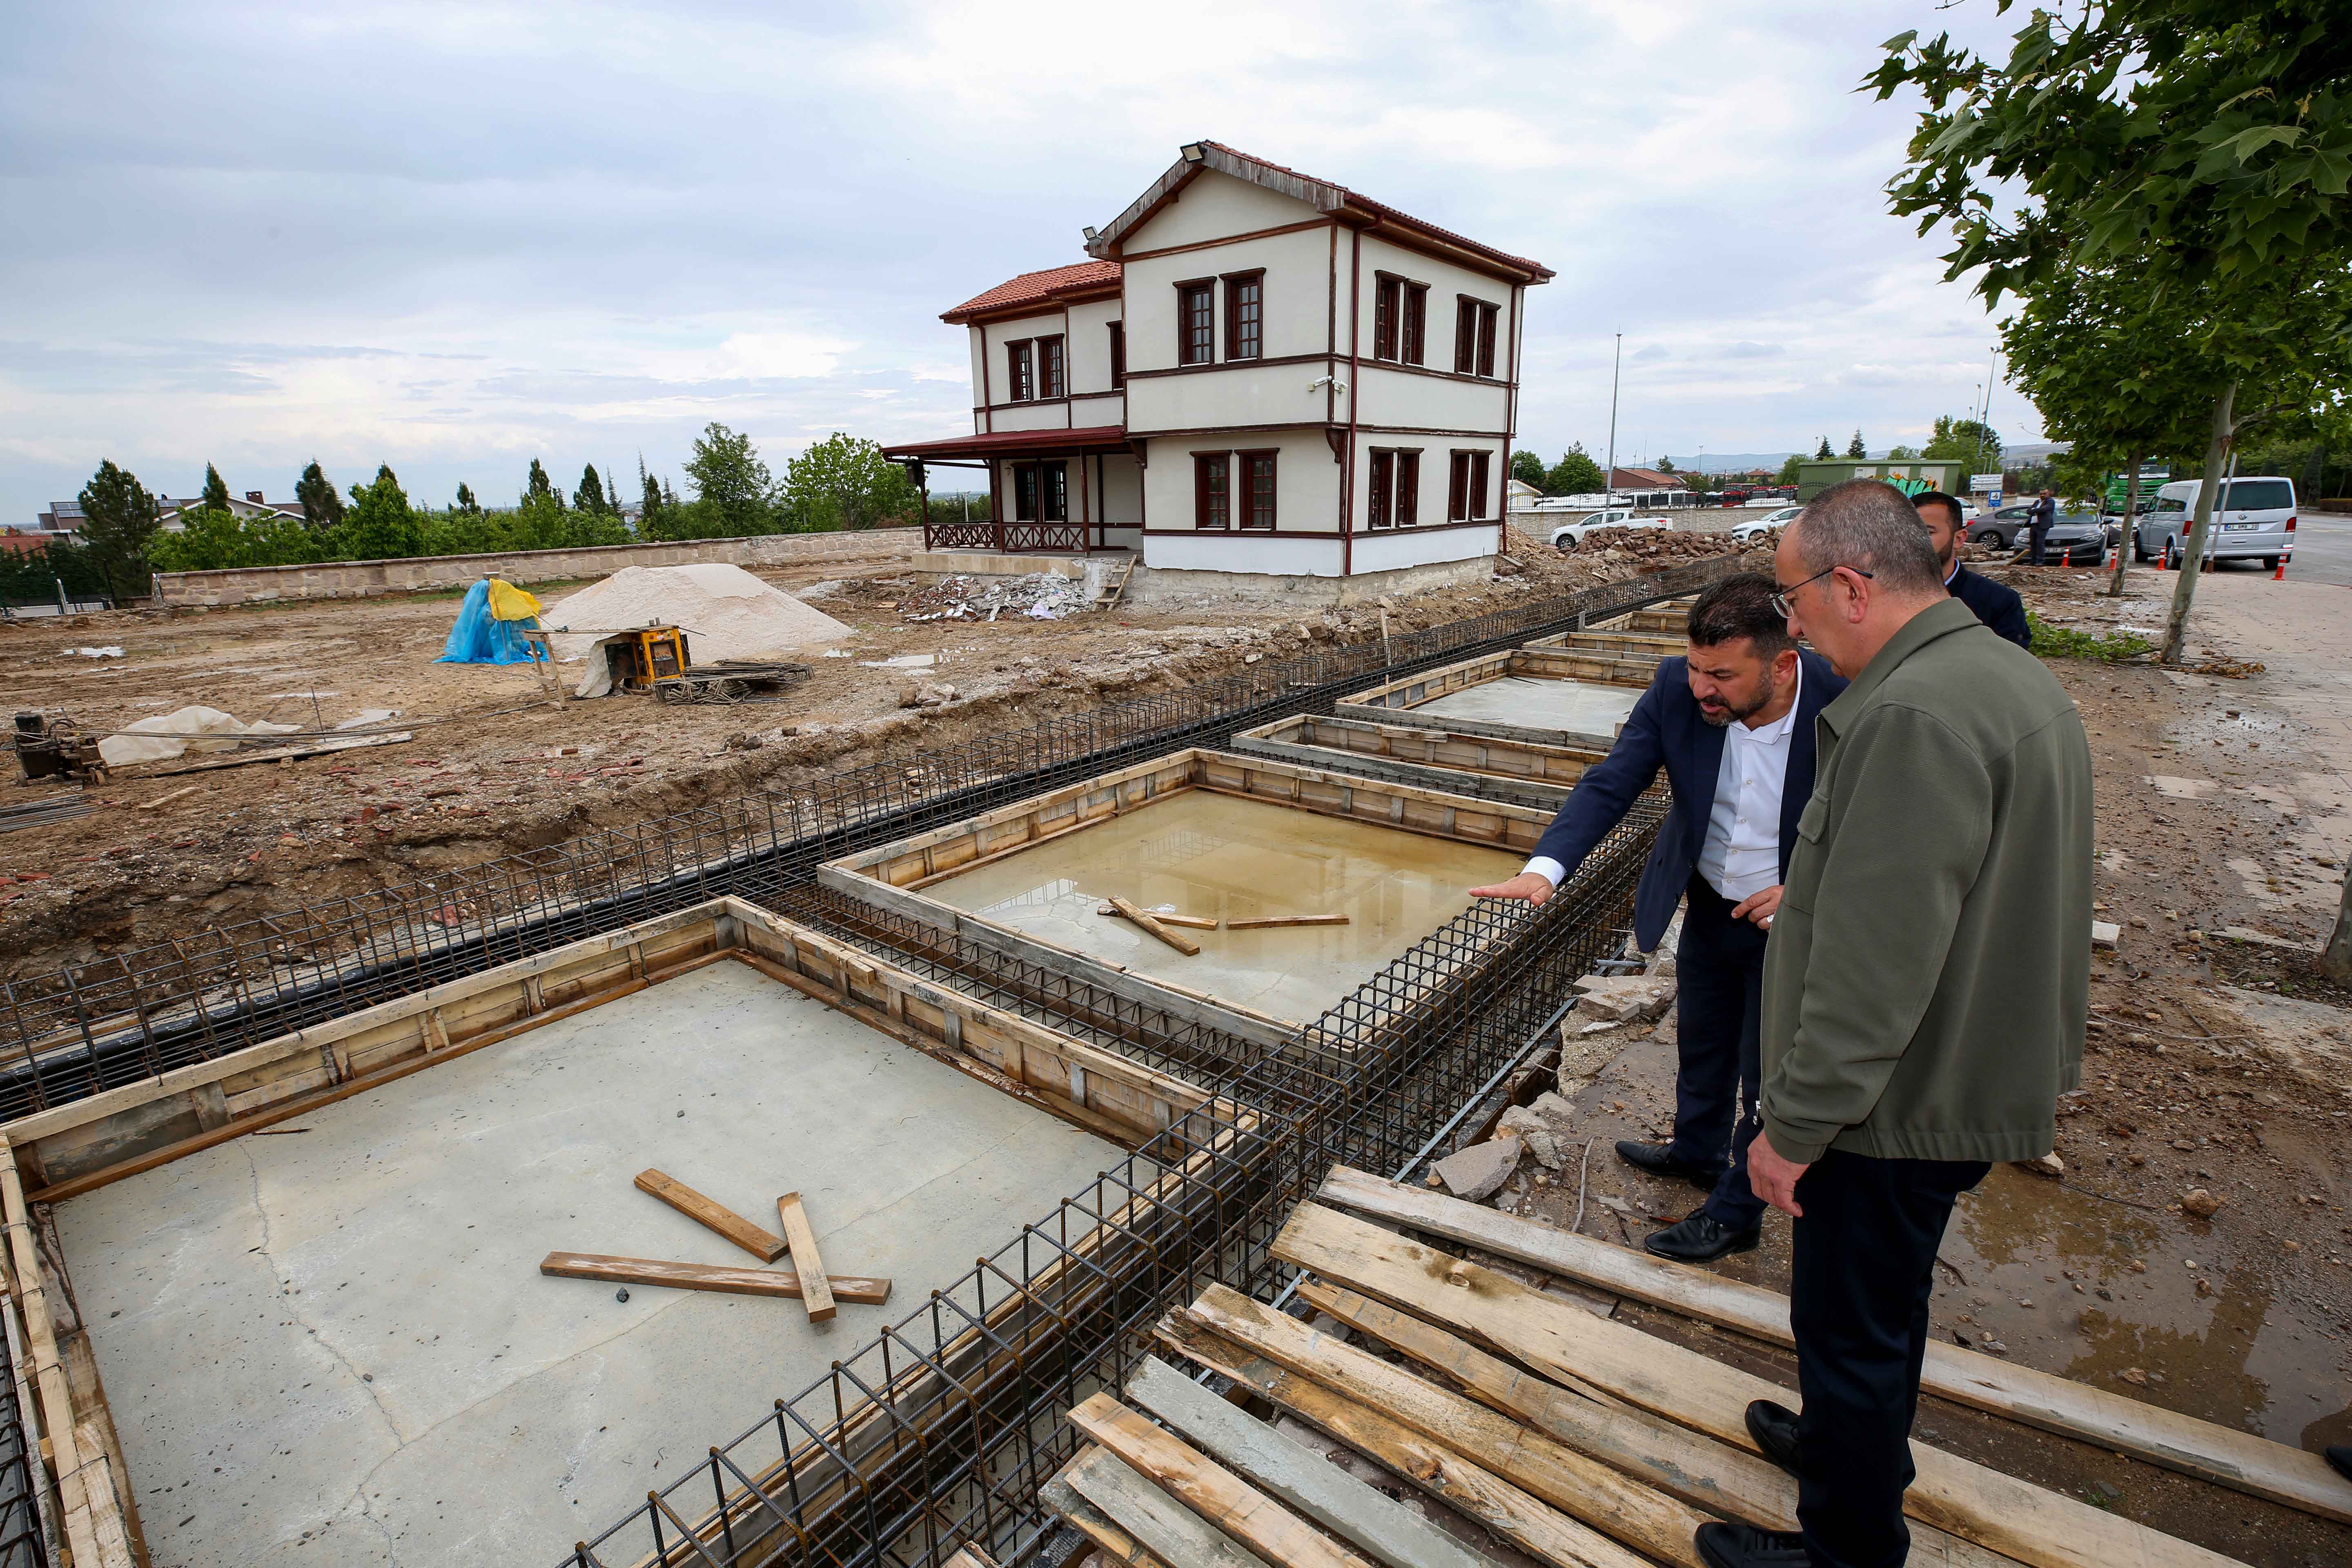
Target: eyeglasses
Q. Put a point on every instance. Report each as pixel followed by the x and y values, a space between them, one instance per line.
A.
pixel 1780 600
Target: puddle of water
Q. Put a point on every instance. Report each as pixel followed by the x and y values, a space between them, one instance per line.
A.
pixel 2242 1356
pixel 1582 707
pixel 1213 854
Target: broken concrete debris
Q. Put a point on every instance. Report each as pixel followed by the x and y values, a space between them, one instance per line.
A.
pixel 1624 999
pixel 1479 1171
pixel 1039 595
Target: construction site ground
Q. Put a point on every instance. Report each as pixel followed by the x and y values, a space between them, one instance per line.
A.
pixel 495 768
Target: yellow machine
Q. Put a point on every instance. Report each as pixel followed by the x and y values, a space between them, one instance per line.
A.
pixel 643 658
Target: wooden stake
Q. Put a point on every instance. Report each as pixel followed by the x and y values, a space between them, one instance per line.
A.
pixel 712 1216
pixel 1183 944
pixel 1191 922
pixel 865 1292
pixel 1270 921
pixel 802 1238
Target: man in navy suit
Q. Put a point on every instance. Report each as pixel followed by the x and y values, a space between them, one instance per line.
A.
pixel 1997 604
pixel 1732 724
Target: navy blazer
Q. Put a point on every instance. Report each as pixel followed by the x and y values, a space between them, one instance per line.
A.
pixel 1997 604
pixel 1667 731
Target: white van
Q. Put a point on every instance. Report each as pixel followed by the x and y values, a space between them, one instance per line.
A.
pixel 2254 521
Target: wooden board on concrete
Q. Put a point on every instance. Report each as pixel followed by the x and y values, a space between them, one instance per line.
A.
pixel 851 1288
pixel 1183 944
pixel 1163 1526
pixel 711 1214
pixel 801 1237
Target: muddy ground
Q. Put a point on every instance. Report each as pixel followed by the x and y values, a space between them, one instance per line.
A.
pixel 495 768
pixel 2215 1065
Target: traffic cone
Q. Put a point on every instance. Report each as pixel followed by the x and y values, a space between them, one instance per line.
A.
pixel 2279 574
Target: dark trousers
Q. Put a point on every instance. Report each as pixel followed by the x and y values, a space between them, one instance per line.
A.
pixel 1864 1263
pixel 1718 1001
pixel 2037 540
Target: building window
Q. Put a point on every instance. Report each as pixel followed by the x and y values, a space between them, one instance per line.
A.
pixel 1245 315
pixel 1478 477
pixel 1396 498
pixel 1400 319
pixel 1388 295
pixel 1408 489
pixel 1054 481
pixel 1257 500
pixel 1212 492
pixel 1416 322
pixel 1473 336
pixel 1117 355
pixel 1025 492
pixel 1196 335
pixel 1380 512
pixel 1466 491
pixel 1049 366
pixel 1020 376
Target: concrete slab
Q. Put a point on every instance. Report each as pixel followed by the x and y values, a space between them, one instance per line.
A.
pixel 333 1346
pixel 1220 855
pixel 1581 706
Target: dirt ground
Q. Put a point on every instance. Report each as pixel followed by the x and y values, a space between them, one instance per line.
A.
pixel 2216 1066
pixel 495 768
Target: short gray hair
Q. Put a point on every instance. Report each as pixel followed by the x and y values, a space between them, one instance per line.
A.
pixel 1870 525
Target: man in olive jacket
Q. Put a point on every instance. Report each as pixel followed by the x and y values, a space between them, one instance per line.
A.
pixel 1924 993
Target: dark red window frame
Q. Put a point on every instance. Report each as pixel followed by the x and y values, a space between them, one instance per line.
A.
pixel 1245 315
pixel 1257 469
pixel 1408 489
pixel 1020 371
pixel 1388 300
pixel 1481 474
pixel 1025 492
pixel 1382 491
pixel 1196 333
pixel 1053 492
pixel 1212 492
pixel 1486 318
pixel 1457 488
pixel 1416 323
pixel 1053 368
pixel 1474 335
pixel 1117 355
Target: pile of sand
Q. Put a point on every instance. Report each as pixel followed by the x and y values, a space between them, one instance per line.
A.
pixel 726 614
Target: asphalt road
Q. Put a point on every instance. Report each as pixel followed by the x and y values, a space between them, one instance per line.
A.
pixel 2323 549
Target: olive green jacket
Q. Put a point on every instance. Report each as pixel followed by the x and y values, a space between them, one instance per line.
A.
pixel 1927 976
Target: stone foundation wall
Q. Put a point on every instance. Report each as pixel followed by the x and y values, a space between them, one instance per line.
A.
pixel 363 579
pixel 1160 586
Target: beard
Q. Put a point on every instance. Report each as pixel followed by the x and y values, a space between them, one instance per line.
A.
pixel 1722 716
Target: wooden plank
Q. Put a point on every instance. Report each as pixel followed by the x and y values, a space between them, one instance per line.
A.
pixel 2013 1517
pixel 1295 1476
pixel 1190 922
pixel 1209 1490
pixel 801 1237
pixel 1183 944
pixel 712 1216
pixel 1096 1526
pixel 1166 1528
pixel 1641 1517
pixel 851 1287
pixel 970 1557
pixel 1677 1461
pixel 1511 1513
pixel 2060 1404
pixel 1270 921
pixel 288 753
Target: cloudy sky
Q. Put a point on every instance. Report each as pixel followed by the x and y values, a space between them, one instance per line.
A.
pixel 456 238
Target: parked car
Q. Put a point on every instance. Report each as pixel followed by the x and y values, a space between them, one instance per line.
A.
pixel 2254 521
pixel 1755 528
pixel 2075 538
pixel 1765 501
pixel 1569 535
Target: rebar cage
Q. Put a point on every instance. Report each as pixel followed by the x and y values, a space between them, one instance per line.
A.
pixel 939 1430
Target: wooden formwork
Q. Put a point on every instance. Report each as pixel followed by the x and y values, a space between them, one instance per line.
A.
pixel 1672 619
pixel 1396 702
pixel 1617 645
pixel 892 875
pixel 1523 772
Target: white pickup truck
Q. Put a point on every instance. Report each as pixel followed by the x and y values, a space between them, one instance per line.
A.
pixel 1569 535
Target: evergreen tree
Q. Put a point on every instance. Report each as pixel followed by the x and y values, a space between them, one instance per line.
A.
pixel 119 518
pixel 589 496
pixel 649 503
pixel 537 484
pixel 1824 450
pixel 381 527
pixel 466 501
pixel 321 507
pixel 1854 449
pixel 215 496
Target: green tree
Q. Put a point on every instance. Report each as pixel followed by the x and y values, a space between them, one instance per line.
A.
pixel 1787 474
pixel 732 485
pixel 1823 451
pixel 1899 452
pixel 215 491
pixel 466 501
pixel 1527 467
pixel 1854 449
pixel 844 482
pixel 538 484
pixel 119 517
pixel 1576 474
pixel 589 496
pixel 1968 441
pixel 322 508
pixel 649 501
pixel 381 525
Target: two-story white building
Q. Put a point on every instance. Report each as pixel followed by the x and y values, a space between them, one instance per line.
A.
pixel 1259 373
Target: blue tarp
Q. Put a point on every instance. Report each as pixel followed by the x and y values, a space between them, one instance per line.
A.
pixel 480 639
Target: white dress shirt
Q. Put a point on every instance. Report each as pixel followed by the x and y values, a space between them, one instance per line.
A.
pixel 1741 855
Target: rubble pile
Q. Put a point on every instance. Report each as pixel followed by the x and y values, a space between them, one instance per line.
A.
pixel 1040 596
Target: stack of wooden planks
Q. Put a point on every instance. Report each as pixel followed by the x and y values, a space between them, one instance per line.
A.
pixel 1570 1438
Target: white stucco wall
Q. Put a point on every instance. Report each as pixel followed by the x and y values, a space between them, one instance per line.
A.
pixel 1446 281
pixel 1240 395
pixel 1270 553
pixel 1296 315
pixel 1401 400
pixel 1090 413
pixel 1122 497
pixel 1306 481
pixel 1090 347
pixel 1387 550
pixel 1213 206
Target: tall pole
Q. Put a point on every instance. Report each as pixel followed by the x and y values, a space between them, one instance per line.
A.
pixel 1609 479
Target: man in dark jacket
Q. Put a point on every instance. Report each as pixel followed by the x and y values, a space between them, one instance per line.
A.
pixel 1997 604
pixel 1924 996
pixel 1732 724
pixel 2039 517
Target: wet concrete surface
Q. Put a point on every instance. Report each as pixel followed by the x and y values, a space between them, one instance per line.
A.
pixel 330 1343
pixel 1226 857
pixel 1580 707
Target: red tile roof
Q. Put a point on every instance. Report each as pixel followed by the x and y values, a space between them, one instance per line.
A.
pixel 1039 288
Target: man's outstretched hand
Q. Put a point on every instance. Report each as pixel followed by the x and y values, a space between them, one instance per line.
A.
pixel 1773 1178
pixel 1529 887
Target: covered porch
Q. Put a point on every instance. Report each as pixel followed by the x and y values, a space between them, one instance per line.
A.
pixel 1062 492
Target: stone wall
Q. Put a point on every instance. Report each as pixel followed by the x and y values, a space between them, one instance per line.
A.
pixel 363 579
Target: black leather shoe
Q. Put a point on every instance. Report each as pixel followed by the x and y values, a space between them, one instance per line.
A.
pixel 1701 1239
pixel 2340 1455
pixel 1774 1427
pixel 1745 1546
pixel 1659 1160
